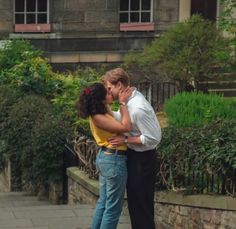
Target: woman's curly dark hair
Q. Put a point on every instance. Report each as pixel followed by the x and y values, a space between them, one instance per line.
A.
pixel 91 100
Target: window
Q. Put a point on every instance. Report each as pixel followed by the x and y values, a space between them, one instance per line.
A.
pixel 29 13
pixel 136 11
pixel 136 15
pixel 207 9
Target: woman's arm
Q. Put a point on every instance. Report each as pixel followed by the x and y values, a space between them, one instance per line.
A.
pixel 112 125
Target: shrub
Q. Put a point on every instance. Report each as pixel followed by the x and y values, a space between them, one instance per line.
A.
pixel 33 75
pixel 201 159
pixel 69 90
pixel 8 97
pixel 23 67
pixel 186 52
pixel 35 137
pixel 49 137
pixel 196 109
pixel 15 52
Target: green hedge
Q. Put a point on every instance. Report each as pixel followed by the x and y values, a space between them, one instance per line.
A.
pixel 35 139
pixel 193 158
pixel 196 109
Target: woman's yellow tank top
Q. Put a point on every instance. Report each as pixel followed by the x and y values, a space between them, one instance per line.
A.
pixel 101 136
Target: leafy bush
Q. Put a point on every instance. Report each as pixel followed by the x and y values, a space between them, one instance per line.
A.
pixel 23 67
pixel 8 97
pixel 36 137
pixel 69 90
pixel 196 109
pixel 200 159
pixel 32 76
pixel 15 52
pixel 49 137
pixel 187 52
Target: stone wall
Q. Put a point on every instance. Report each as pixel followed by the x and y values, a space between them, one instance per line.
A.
pixel 183 217
pixel 195 211
pixel 81 189
pixel 172 210
pixel 6 18
pixel 5 178
pixel 85 15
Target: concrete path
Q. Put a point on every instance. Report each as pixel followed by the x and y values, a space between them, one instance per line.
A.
pixel 19 210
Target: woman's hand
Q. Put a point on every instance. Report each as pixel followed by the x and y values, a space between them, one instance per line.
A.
pixel 125 94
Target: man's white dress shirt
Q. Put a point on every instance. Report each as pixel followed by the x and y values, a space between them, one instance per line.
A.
pixel 144 122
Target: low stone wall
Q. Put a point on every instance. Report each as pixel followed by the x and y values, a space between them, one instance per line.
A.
pixel 5 178
pixel 81 189
pixel 195 211
pixel 172 210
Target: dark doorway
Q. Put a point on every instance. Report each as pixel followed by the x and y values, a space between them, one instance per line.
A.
pixel 206 8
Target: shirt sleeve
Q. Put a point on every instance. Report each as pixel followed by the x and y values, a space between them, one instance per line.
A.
pixel 149 127
pixel 117 115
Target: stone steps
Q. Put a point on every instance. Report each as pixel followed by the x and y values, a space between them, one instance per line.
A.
pixel 226 85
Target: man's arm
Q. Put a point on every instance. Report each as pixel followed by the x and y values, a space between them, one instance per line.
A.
pixel 121 139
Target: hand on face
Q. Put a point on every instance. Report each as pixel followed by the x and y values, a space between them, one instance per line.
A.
pixel 124 94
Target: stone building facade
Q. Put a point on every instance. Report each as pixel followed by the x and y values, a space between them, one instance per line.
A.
pixel 89 31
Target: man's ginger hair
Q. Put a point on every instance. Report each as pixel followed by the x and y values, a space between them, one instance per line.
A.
pixel 116 75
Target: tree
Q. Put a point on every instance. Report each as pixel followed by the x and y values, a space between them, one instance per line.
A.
pixel 188 52
pixel 227 22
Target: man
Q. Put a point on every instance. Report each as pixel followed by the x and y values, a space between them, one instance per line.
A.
pixel 141 142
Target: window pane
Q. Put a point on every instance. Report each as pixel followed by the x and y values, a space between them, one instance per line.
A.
pixel 134 4
pixel 30 19
pixel 146 17
pixel 19 5
pixel 124 17
pixel 134 17
pixel 146 4
pixel 124 5
pixel 19 18
pixel 42 18
pixel 31 6
pixel 42 5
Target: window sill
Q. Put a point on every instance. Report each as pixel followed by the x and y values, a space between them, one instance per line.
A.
pixel 137 26
pixel 32 28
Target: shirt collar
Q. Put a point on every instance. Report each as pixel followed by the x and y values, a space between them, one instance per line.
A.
pixel 133 94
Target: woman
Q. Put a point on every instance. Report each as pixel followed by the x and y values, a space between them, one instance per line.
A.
pixel 111 162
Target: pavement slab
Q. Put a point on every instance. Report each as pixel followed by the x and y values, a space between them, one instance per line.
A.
pixel 20 210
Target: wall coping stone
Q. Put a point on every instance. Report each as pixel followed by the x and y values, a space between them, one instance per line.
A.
pixel 201 201
pixel 79 35
pixel 83 179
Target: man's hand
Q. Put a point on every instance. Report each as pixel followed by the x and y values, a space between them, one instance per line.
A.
pixel 125 94
pixel 117 140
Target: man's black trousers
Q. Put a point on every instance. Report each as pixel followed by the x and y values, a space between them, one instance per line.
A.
pixel 142 170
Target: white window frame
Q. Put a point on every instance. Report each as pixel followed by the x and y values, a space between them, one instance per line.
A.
pixel 25 12
pixel 140 11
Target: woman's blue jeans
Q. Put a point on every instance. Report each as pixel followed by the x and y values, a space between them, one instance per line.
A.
pixel 112 182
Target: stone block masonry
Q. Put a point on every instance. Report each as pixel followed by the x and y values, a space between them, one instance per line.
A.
pixel 172 210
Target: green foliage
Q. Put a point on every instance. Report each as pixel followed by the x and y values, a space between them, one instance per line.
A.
pixel 8 97
pixel 69 89
pixel 32 76
pixel 193 158
pixel 83 127
pixel 36 137
pixel 15 52
pixel 197 109
pixel 227 22
pixel 22 67
pixel 187 51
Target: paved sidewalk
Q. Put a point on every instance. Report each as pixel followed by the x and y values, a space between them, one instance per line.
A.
pixel 17 210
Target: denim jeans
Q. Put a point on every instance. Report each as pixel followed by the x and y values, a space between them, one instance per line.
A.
pixel 112 182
